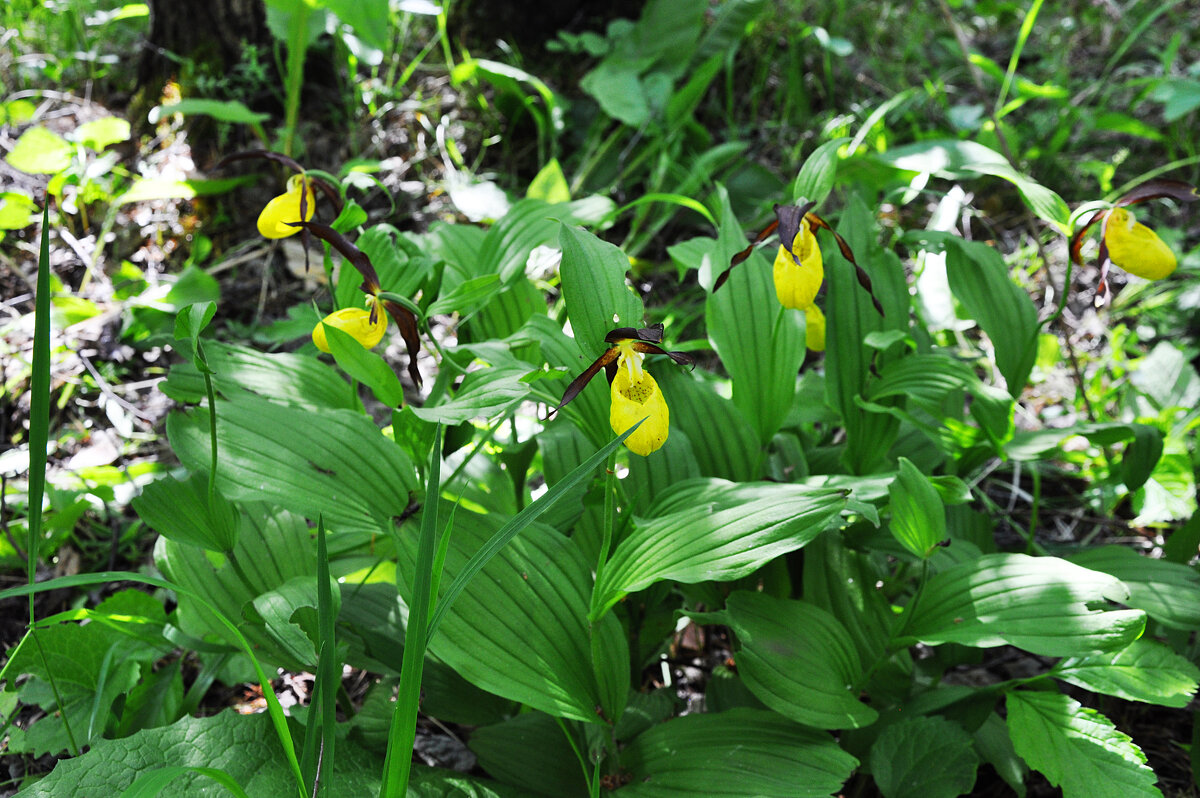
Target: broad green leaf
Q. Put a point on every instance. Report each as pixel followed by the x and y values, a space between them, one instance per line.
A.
pixel 953 159
pixel 729 25
pixel 16 210
pixel 505 249
pixel 843 582
pixel 369 19
pixel 156 188
pixel 594 289
pixel 1077 748
pixel 619 92
pixel 342 467
pixel 1040 604
pixel 299 380
pixel 75 672
pixel 926 757
pixel 289 611
pixel 1141 456
pixel 796 658
pixel 1167 591
pixel 484 392
pixel 918 516
pixel 735 753
pixel 550 184
pixel 100 133
pixel 1146 671
pixel 274 547
pixel 232 111
pixel 467 296
pixel 189 323
pixel 530 751
pixel 40 151
pixel 243 746
pixel 701 543
pixel 535 590
pixel 761 343
pixel 723 441
pixel 1180 96
pixel 980 280
pixel 851 317
pixel 181 511
pixel 365 366
pixel 817 175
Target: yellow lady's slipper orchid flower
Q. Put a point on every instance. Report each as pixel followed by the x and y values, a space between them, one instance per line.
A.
pixel 799 270
pixel 297 204
pixel 635 396
pixel 634 393
pixel 799 267
pixel 814 328
pixel 357 322
pixel 1127 242
pixel 1136 248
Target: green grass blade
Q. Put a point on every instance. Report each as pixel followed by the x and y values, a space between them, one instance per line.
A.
pixel 1022 37
pixel 151 784
pixel 402 733
pixel 39 405
pixel 519 522
pixel 319 734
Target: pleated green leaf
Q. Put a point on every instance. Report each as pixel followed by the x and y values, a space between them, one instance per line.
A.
pixel 1146 671
pixel 850 318
pixel 927 757
pixel 343 466
pixel 1040 604
pixel 796 658
pixel 282 377
pixel 761 343
pixel 535 590
pixel 530 751
pixel 365 366
pixel 180 510
pixel 918 516
pixel 816 177
pixel 594 289
pixel 1077 748
pixel 274 547
pixel 701 543
pixel 954 159
pixel 483 393
pixel 1167 591
pixel 980 280
pixel 736 753
pixel 723 441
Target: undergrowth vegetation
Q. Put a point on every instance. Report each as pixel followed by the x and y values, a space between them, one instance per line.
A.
pixel 741 399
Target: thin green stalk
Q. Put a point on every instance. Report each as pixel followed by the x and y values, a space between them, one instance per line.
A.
pixel 491 434
pixel 402 734
pixel 593 783
pixel 610 513
pixel 1033 512
pixel 1022 38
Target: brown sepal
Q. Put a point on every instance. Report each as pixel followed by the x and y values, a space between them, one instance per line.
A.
pixel 406 322
pixel 864 279
pixel 653 334
pixel 348 250
pixel 579 383
pixel 329 191
pixel 1160 189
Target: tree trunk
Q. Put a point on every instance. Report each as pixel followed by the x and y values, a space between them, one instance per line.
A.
pixel 212 35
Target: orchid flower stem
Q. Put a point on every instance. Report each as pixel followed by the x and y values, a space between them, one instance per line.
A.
pixel 610 513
